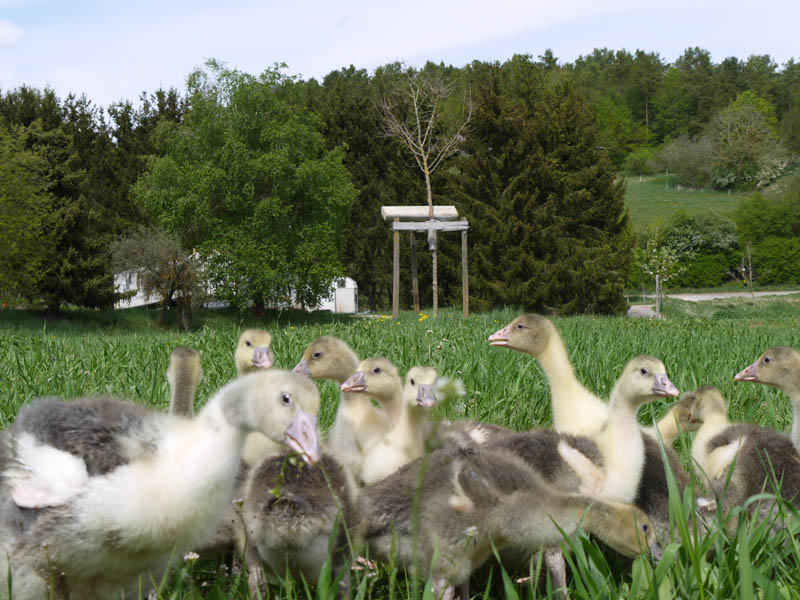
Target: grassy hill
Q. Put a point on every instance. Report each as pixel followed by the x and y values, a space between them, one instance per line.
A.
pixel 657 196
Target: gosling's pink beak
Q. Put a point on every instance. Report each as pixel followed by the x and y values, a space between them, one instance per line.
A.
pixel 426 395
pixel 262 357
pixel 302 437
pixel 357 382
pixel 749 373
pixel 655 550
pixel 501 337
pixel 302 368
pixel 662 386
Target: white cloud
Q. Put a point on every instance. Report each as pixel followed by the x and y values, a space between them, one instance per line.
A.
pixel 10 34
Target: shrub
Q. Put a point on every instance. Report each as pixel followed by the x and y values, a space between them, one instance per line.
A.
pixel 777 260
pixel 705 270
pixel 639 162
pixel 689 158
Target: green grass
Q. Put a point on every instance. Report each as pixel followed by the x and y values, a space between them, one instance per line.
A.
pixel 654 197
pixel 125 354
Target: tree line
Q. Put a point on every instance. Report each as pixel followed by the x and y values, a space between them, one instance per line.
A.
pixel 276 183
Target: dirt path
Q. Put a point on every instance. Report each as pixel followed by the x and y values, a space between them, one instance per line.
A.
pixel 647 310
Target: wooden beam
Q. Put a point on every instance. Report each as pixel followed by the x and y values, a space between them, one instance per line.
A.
pixel 396 274
pixel 427 225
pixel 419 213
pixel 464 275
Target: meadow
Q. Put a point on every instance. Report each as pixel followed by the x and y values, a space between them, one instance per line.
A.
pixel 125 354
pixel 654 197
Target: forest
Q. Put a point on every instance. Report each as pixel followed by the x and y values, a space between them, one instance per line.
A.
pixel 269 186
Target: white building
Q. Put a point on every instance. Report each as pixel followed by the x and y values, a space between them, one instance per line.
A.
pixel 343 298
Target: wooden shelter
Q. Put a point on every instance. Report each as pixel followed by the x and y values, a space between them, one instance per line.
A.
pixel 417 218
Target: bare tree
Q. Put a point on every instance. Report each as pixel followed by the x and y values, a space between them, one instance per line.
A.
pixel 412 113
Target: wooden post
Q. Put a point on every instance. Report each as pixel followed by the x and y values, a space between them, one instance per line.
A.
pixel 414 278
pixel 396 275
pixel 464 274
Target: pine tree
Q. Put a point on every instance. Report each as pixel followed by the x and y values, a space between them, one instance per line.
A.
pixel 549 230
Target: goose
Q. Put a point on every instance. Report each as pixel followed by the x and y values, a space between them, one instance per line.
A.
pixel 455 504
pixel 779 367
pixel 184 374
pixel 676 420
pixel 621 443
pixel 290 514
pixel 376 378
pixel 253 353
pixel 112 488
pixel 575 409
pixel 755 458
pixel 406 440
pixel 708 413
pixel 329 357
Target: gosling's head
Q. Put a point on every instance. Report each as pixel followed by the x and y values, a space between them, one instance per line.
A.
pixel 680 412
pixel 253 351
pixel 778 367
pixel 529 333
pixel 280 404
pixel 377 377
pixel 628 530
pixel 328 357
pixel 704 403
pixel 419 390
pixel 644 379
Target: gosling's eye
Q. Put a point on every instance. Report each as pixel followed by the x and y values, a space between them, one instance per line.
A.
pixel 248 343
pixel 316 354
pixel 767 359
pixel 520 326
pixel 412 382
pixel 286 398
pixel 645 527
pixel 376 370
pixel 644 371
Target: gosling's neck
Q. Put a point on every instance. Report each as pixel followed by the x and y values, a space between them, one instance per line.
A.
pixel 668 428
pixel 564 386
pixel 623 450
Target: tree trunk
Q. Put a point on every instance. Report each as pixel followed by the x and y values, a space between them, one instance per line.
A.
pixel 259 308
pixel 432 244
pixel 435 276
pixel 414 278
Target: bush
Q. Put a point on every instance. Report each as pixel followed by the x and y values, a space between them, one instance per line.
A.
pixel 705 270
pixel 639 162
pixel 777 260
pixel 690 159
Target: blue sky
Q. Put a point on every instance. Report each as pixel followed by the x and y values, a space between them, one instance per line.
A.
pixel 112 50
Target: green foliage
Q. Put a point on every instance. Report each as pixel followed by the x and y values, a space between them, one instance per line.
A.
pixel 639 162
pixel 705 270
pixel 760 216
pixel 554 233
pixel 347 102
pixel 23 200
pixel 746 153
pixel 245 179
pixel 777 260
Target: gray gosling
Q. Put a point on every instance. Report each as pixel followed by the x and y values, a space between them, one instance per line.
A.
pixel 442 513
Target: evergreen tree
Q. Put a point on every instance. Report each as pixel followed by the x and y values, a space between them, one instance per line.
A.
pixel 549 228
